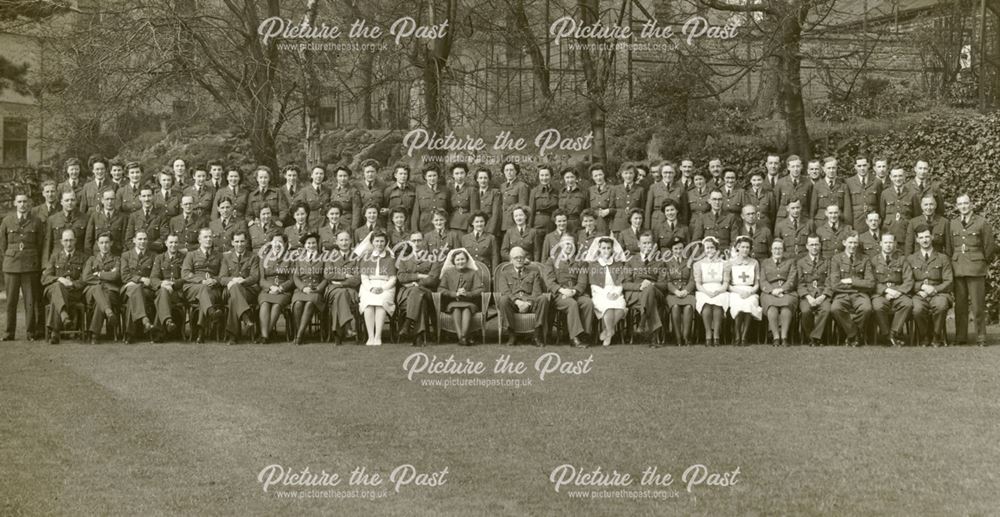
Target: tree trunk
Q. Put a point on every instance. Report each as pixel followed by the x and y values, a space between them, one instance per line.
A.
pixel 595 72
pixel 797 134
pixel 311 94
pixel 539 68
pixel 766 101
pixel 367 120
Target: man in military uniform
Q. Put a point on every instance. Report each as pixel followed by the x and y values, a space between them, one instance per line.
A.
pixel 814 171
pixel 226 226
pixel 49 205
pixel 147 218
pixel 520 288
pixel 870 242
pixel 794 230
pixel 939 225
pixel 829 191
pixel 792 187
pixel 814 293
pixel 186 225
pixel 759 233
pixel 588 230
pixel 833 233
pixel 897 205
pixel 973 247
pixel 773 165
pixel 923 186
pixel 733 197
pixel 63 281
pixel 106 219
pixel 670 227
pixel 566 281
pixel 201 281
pixel 863 191
pixel 627 197
pixel 136 275
pixel 201 195
pixel 714 223
pixel 644 287
pixel 932 289
pixel 553 238
pixel 418 276
pixel 372 191
pixel 851 280
pixel 239 275
pixel 93 192
pixel 893 283
pixel 168 281
pixel 66 219
pixel 21 239
pixel 103 275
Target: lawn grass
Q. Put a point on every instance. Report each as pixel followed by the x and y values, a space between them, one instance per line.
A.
pixel 185 429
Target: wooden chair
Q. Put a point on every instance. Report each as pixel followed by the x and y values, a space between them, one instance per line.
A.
pixel 479 319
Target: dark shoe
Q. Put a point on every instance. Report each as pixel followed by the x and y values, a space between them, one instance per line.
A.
pixel 231 340
pixel 171 327
pixel 418 339
pixel 93 339
pixel 578 344
pixel 853 342
pixel 511 339
pixel 894 341
pixel 981 341
pixel 247 327
pixel 935 344
pixel 537 340
pixel 54 338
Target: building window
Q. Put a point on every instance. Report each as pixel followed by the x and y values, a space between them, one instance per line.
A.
pixel 15 140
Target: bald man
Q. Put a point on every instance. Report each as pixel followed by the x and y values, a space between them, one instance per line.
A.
pixel 521 290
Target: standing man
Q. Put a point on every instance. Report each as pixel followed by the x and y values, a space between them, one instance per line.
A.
pixel 763 200
pixel 226 226
pixel 833 233
pixel 186 225
pixel 73 182
pixel 794 230
pixel 933 281
pixel 63 280
pixel 972 251
pixel 90 198
pixel 106 220
pixel 147 218
pixel 239 276
pixel 939 225
pixel 714 223
pixel 103 276
pixel 520 289
pixel 830 191
pixel 896 205
pixel 50 203
pixel 792 187
pixel 893 283
pixel 21 239
pixel 66 219
pixel 851 280
pixel 923 186
pixel 136 271
pixel 773 166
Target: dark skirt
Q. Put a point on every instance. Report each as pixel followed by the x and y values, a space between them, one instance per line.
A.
pixel 280 299
pixel 674 300
pixel 788 300
pixel 450 303
pixel 314 298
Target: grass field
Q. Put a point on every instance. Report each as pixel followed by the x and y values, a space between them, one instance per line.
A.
pixel 185 429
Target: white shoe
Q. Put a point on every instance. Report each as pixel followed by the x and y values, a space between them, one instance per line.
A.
pixel 371 342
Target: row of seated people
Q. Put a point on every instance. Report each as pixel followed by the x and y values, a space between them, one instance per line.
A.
pixel 593 287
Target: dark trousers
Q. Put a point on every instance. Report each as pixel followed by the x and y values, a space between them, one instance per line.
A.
pixel 851 310
pixel 892 314
pixel 648 301
pixel 102 300
pixel 167 304
pixel 814 318
pixel 929 316
pixel 579 313
pixel 967 289
pixel 416 303
pixel 240 297
pixel 17 284
pixel 138 300
pixel 539 305
pixel 59 297
pixel 205 296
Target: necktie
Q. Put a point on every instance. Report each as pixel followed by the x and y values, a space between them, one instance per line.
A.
pixel 750 231
pixel 829 183
pixel 794 223
pixel 927 256
pixel 965 221
pixel 795 183
pixel 898 192
pixel 477 236
pixel 146 213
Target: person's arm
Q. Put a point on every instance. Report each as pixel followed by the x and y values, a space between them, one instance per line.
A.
pixel 522 194
pixel 88 273
pixel 187 269
pixel 907 284
pixel 549 278
pixel 531 209
pixel 867 281
pixel 225 275
pixel 766 286
pixel 696 276
pixel 506 246
pixel 49 273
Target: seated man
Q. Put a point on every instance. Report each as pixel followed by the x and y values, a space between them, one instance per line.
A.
pixel 851 280
pixel 566 281
pixel 239 277
pixel 893 283
pixel 520 289
pixel 102 275
pixel 201 282
pixel 417 277
pixel 167 279
pixel 932 288
pixel 814 294
pixel 137 269
pixel 645 285
pixel 63 281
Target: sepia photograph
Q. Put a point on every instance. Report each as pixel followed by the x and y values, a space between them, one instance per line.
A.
pixel 499 257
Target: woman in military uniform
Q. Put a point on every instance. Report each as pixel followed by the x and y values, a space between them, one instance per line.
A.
pixel 296 231
pixel 778 292
pixel 276 286
pixel 680 292
pixel 489 200
pixel 430 197
pixel 310 285
pixel 629 237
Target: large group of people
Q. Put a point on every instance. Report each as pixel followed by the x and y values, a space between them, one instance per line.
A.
pixel 798 245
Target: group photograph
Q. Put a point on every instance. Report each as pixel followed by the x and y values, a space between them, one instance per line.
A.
pixel 498 257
